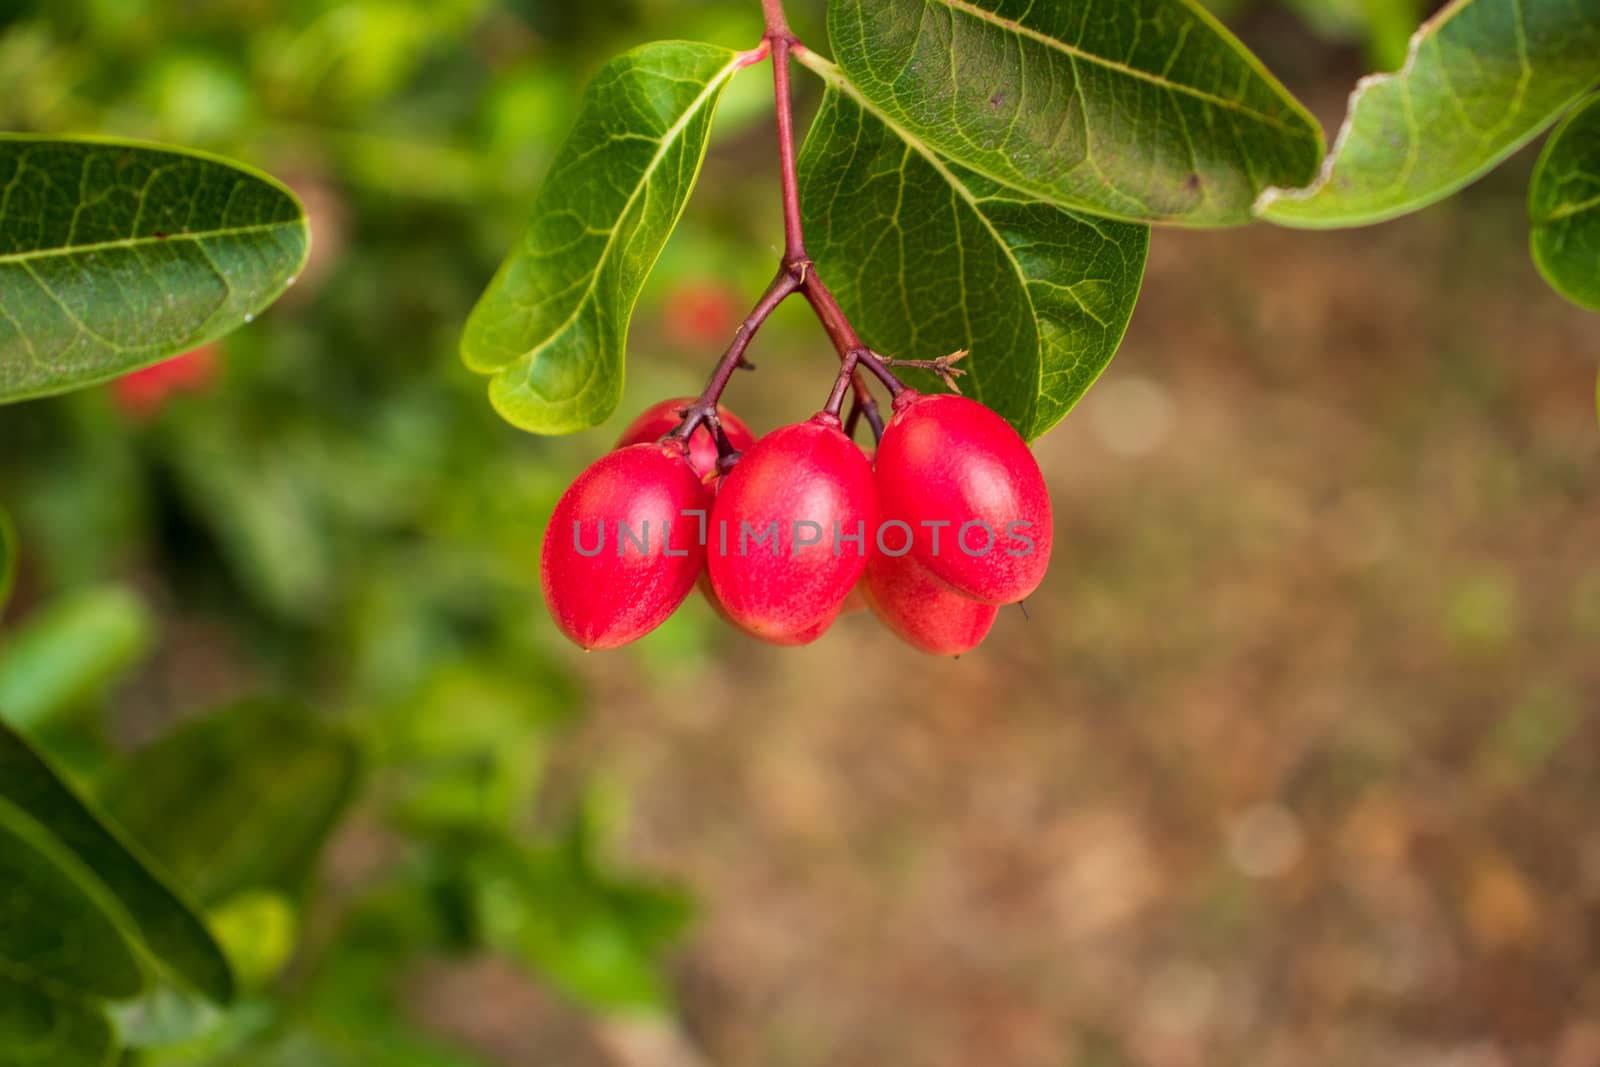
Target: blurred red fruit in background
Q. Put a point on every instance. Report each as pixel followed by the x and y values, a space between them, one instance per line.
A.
pixel 701 313
pixel 141 394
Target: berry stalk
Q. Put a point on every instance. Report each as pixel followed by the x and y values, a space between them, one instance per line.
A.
pixel 796 273
pixel 704 410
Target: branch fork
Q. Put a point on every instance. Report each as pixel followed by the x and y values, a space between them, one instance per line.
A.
pixel 798 274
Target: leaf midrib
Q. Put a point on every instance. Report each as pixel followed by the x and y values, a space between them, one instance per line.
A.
pixel 137 242
pixel 1012 26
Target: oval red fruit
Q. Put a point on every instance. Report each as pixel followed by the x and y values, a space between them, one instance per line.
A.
pixel 658 420
pixel 970 490
pixel 921 610
pixel 620 555
pixel 790 529
pixel 804 637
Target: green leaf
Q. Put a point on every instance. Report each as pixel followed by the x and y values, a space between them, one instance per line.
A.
pixel 116 255
pixel 1483 77
pixel 274 781
pixel 167 926
pixel 8 557
pixel 49 1026
pixel 1146 110
pixel 69 652
pixel 1564 204
pixel 930 258
pixel 61 951
pixel 55 917
pixel 553 325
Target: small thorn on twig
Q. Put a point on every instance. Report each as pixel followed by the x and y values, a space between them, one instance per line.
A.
pixel 945 367
pixel 745 364
pixel 1023 604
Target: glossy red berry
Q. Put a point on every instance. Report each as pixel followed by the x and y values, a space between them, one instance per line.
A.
pixel 924 612
pixel 970 490
pixel 790 530
pixel 620 554
pixel 804 637
pixel 658 420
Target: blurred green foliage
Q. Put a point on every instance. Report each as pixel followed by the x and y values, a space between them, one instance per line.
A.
pixel 344 507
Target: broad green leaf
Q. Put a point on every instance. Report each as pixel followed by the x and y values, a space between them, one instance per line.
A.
pixel 553 325
pixel 1565 207
pixel 1146 110
pixel 62 953
pixel 1482 78
pixel 274 781
pixel 50 1026
pixel 65 655
pixel 116 255
pixel 931 258
pixel 8 557
pixel 56 925
pixel 167 926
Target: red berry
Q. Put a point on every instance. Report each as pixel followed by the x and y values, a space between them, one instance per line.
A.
pixel 142 393
pixel 790 529
pixel 805 637
pixel 921 610
pixel 602 588
pixel 972 493
pixel 658 420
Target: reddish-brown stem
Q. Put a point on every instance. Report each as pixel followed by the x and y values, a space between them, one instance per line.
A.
pixel 704 410
pixel 795 258
pixel 860 410
pixel 777 22
pixel 841 384
pixel 796 273
pixel 794 238
pixel 844 336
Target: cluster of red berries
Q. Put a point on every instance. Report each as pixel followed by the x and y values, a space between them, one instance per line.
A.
pixel 949 520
